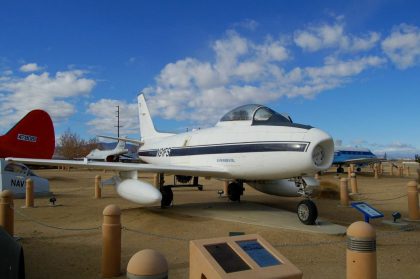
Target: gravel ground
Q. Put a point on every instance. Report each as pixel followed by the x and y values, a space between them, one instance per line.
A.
pixel 58 252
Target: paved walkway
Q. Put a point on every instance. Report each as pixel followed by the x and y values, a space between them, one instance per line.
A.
pixel 256 214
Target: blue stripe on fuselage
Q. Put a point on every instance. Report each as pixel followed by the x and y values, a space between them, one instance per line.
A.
pixel 226 149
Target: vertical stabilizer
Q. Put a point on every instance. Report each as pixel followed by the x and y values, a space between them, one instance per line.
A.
pixel 120 145
pixel 32 137
pixel 147 129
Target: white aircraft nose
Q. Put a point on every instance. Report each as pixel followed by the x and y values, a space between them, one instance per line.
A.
pixel 321 148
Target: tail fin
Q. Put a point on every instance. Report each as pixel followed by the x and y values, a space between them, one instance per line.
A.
pixel 120 145
pixel 147 129
pixel 32 137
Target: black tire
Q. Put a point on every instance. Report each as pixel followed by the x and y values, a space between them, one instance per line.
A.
pixel 235 191
pixel 200 188
pixel 184 179
pixel 167 197
pixel 307 212
pixel 359 169
pixel 340 170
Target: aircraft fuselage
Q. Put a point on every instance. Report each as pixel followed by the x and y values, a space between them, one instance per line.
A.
pixel 246 152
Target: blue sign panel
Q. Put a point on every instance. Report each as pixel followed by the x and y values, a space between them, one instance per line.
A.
pixel 258 253
pixel 368 211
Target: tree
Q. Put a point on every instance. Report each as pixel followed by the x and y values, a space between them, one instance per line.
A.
pixel 71 146
pixel 417 158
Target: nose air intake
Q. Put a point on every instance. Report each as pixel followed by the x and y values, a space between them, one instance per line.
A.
pixel 322 151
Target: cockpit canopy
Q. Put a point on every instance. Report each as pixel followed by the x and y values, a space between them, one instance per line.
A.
pixel 258 115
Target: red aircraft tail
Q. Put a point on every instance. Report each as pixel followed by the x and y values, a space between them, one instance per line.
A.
pixel 32 137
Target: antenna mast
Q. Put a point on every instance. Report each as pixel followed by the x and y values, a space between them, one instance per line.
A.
pixel 118 121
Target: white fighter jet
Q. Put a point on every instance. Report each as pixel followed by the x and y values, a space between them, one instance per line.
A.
pixel 251 144
pixel 112 155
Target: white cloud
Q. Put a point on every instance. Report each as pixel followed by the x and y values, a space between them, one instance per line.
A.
pixel 323 36
pixel 403 46
pixel 249 24
pixel 55 94
pixel 243 72
pixel 30 67
pixel 105 119
pixel 396 150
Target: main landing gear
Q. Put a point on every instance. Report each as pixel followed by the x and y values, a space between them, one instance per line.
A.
pixel 340 169
pixel 166 190
pixel 307 211
pixel 235 190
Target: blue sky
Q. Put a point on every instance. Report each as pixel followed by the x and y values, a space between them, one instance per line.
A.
pixel 351 68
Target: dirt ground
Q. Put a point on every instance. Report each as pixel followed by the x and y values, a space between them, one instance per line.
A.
pixel 65 241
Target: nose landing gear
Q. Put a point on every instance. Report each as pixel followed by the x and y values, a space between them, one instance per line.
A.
pixel 306 210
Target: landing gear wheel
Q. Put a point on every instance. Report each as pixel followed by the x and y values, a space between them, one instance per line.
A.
pixel 358 169
pixel 200 188
pixel 307 212
pixel 235 190
pixel 340 170
pixel 167 197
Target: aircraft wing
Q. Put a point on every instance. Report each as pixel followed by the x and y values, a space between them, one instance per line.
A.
pixel 169 169
pixel 136 142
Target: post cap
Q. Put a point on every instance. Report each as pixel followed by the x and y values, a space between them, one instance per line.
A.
pixel 112 210
pixel 412 183
pixel 6 194
pixel 98 177
pixel 353 174
pixel 147 262
pixel 361 229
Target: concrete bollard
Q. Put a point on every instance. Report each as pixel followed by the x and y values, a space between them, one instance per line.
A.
pixel 6 211
pixel 147 263
pixel 361 251
pixel 352 166
pixel 344 195
pixel 349 172
pixel 225 188
pixel 375 169
pixel 353 183
pixel 29 196
pixel 98 191
pixel 413 201
pixel 156 180
pixel 418 175
pixel 111 241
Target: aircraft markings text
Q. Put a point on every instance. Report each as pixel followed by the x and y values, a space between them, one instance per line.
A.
pixel 24 137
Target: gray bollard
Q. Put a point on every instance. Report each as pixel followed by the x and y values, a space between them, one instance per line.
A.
pixel 148 264
pixel 361 251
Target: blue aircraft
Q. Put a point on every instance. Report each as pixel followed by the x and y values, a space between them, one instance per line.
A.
pixel 344 156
